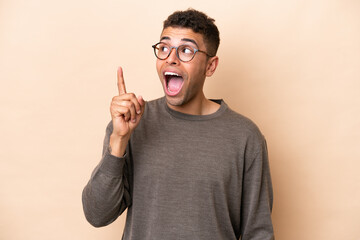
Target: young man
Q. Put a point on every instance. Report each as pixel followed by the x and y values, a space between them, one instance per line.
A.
pixel 184 166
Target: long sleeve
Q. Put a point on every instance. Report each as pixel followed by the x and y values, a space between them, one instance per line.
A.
pixel 257 198
pixel 107 193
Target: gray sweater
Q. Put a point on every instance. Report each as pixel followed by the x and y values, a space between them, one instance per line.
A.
pixel 185 177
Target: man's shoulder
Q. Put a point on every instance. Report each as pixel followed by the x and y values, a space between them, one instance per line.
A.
pixel 241 124
pixel 240 119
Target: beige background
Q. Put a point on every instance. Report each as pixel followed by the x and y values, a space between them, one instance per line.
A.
pixel 292 66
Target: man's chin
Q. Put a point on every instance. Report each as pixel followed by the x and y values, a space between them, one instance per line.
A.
pixel 174 101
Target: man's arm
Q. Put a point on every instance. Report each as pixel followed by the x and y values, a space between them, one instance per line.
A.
pixel 107 193
pixel 257 198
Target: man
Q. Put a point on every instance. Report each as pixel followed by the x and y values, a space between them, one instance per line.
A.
pixel 184 166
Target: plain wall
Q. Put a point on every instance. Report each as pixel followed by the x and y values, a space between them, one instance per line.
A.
pixel 293 67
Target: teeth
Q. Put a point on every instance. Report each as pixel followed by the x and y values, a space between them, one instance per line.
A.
pixel 171 74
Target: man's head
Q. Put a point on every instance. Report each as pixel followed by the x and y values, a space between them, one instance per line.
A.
pixel 186 55
pixel 198 22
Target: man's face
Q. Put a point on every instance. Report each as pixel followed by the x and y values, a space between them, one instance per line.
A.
pixel 182 81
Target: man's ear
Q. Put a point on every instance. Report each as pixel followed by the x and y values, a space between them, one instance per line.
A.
pixel 211 66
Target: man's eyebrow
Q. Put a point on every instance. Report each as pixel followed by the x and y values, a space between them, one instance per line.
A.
pixel 165 38
pixel 189 40
pixel 183 39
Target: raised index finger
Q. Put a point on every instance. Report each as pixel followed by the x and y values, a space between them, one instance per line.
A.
pixel 120 81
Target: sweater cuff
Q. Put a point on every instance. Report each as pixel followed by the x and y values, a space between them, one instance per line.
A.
pixel 112 165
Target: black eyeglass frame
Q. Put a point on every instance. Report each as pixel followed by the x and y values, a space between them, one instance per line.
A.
pixel 176 51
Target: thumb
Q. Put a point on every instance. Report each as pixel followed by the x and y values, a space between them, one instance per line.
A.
pixel 142 103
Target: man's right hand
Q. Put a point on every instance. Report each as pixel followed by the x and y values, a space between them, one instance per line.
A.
pixel 126 111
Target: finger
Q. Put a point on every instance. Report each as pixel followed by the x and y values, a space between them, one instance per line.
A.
pixel 127 115
pixel 136 103
pixel 126 108
pixel 128 97
pixel 121 112
pixel 142 104
pixel 141 100
pixel 120 81
pixel 131 108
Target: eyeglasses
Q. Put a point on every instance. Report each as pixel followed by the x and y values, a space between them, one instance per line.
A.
pixel 184 52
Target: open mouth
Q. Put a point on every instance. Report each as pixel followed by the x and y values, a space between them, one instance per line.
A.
pixel 173 83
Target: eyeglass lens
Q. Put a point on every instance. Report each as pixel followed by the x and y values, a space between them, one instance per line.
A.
pixel 184 52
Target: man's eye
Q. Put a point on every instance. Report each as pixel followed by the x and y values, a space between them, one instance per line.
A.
pixel 163 48
pixel 187 50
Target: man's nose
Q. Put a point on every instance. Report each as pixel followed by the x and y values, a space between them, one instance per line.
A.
pixel 173 59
